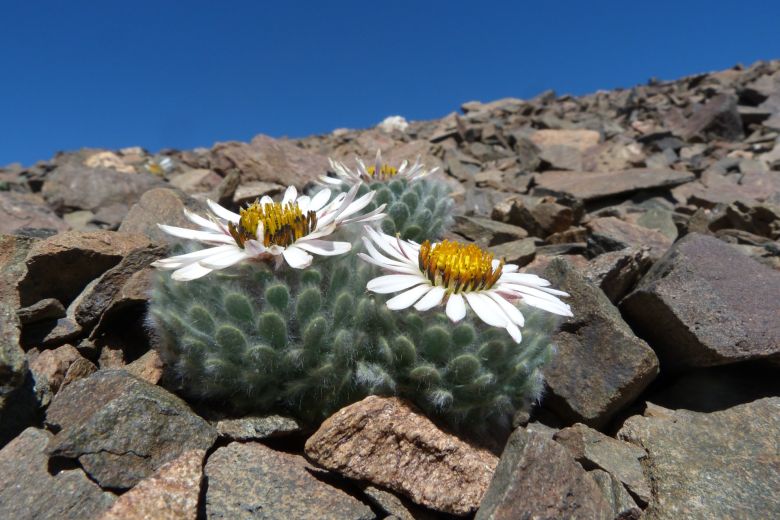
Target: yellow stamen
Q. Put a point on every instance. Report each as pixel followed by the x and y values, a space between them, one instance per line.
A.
pixel 385 172
pixel 458 267
pixel 282 224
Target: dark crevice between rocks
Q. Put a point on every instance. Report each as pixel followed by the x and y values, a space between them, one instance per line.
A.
pixel 125 331
pixel 22 410
pixel 347 486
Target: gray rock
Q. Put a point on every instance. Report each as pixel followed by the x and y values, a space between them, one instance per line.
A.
pixel 716 305
pixel 487 232
pixel 590 186
pixel 395 506
pixel 600 366
pixel 537 478
pixel 29 492
pixel 257 428
pixel 711 465
pixel 718 119
pixel 253 481
pixel 160 206
pixel 75 187
pixel 46 309
pixel 518 252
pixel 661 220
pixel 613 234
pixel 593 449
pixel 623 506
pixel 121 429
pixel 617 272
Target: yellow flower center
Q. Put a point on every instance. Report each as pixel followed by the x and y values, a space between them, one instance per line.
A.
pixel 282 224
pixel 458 267
pixel 386 172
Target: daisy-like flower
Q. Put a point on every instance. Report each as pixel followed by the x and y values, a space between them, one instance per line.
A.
pixel 379 171
pixel 454 274
pixel 288 230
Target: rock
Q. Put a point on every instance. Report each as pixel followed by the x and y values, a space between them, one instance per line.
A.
pixel 46 309
pixel 760 219
pixel 82 255
pixel 518 252
pixel 600 366
pixel 171 493
pixel 81 220
pixel 148 367
pixel 563 149
pixel 538 478
pixel 54 364
pixel 396 507
pixel 613 234
pixel 29 491
pixel 159 206
pixel 249 192
pixel 387 443
pixel 711 465
pixel 661 220
pixel 258 428
pixel 108 160
pixel 590 186
pixel 79 369
pixel 95 301
pixel 541 217
pixel 122 429
pixel 717 305
pixel 718 119
pixel 487 232
pixel 27 210
pixel 617 272
pixel 196 181
pixel 623 506
pixel 593 449
pixel 250 480
pixel 73 187
pixel 270 160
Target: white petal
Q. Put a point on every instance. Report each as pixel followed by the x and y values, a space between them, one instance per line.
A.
pixel 320 199
pixel 524 278
pixel 290 195
pixel 383 265
pixel 541 293
pixel 403 264
pixel 265 199
pixel 430 300
pixel 303 203
pixel 356 206
pixel 190 272
pixel 559 307
pixel 408 298
pixel 254 247
pixel 514 314
pixel 487 310
pixel 297 258
pixel 192 234
pixel 202 222
pixel 456 307
pixel 514 331
pixel 324 247
pixel 224 260
pixel 175 262
pixel 394 282
pixel 222 212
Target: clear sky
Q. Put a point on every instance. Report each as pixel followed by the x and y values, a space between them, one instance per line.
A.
pixel 190 73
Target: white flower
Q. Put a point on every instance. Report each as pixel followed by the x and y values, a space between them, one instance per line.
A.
pixel 289 230
pixel 454 274
pixel 378 171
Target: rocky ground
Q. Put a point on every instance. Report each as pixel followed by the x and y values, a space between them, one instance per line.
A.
pixel 656 207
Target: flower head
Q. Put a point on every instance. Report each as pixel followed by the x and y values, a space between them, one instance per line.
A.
pixel 454 274
pixel 377 172
pixel 288 230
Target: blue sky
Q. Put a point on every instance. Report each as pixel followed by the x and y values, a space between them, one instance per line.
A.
pixel 190 73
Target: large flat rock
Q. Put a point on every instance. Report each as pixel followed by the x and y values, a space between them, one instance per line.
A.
pixel 711 465
pixel 706 304
pixel 386 442
pixel 596 185
pixel 250 480
pixel 600 366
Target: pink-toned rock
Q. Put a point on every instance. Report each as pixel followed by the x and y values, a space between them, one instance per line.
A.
pixel 171 493
pixel 579 139
pixel 54 364
pixel 613 234
pixel 148 367
pixel 27 210
pixel 595 185
pixel 386 442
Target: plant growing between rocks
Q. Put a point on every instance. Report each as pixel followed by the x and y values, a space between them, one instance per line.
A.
pixel 309 339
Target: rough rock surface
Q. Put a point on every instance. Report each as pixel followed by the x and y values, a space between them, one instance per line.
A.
pixel 538 478
pixel 593 449
pixel 600 365
pixel 257 428
pixel 159 205
pixel 27 210
pixel 716 305
pixel 711 465
pixel 597 185
pixel 386 442
pixel 171 493
pixel 623 506
pixel 122 429
pixel 28 491
pixel 253 481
